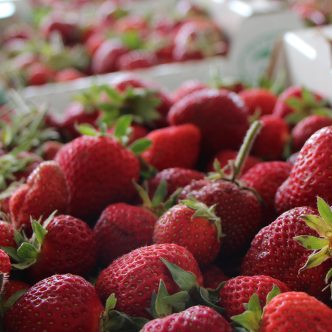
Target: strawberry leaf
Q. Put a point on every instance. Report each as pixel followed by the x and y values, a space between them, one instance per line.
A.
pixel 324 211
pixel 311 242
pixel 13 299
pixel 272 294
pixel 328 275
pixel 87 129
pixel 140 145
pixel 160 193
pixel 122 128
pixel 110 302
pixel 316 258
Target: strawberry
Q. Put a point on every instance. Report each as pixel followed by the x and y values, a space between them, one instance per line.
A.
pixel 49 149
pixel 38 74
pixel 93 42
pixel 187 88
pixel 136 60
pixel 271 141
pixel 307 127
pixel 310 175
pixel 68 74
pixel 289 311
pixel 63 244
pixel 258 100
pixel 162 154
pixel 193 225
pixel 266 178
pixel 122 228
pixel 5 265
pixel 45 191
pixel 194 319
pixel 275 241
pixel 6 234
pixel 225 156
pixel 237 291
pixel 105 58
pixel 213 276
pixel 295 103
pixel 59 303
pixel 175 178
pixel 99 171
pixel 220 115
pixel 135 276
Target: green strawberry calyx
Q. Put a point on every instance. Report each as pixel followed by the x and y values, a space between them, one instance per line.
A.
pixel 250 319
pixel 321 246
pixel 158 203
pixel 236 166
pixel 28 250
pixel 203 211
pixel 115 321
pixel 306 105
pixel 190 293
pixel 122 131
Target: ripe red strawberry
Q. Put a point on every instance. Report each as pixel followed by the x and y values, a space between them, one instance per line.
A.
pixel 93 42
pixel 59 303
pixel 221 116
pixel 224 156
pixel 163 154
pixel 105 58
pixel 68 74
pixel 187 88
pixel 5 265
pixel 135 276
pixel 44 192
pixel 238 209
pixel 49 149
pixel 311 174
pixel 122 228
pixel 194 319
pixel 296 100
pixel 38 74
pixel 275 253
pixel 99 171
pixel 6 234
pixel 193 225
pixel 175 178
pixel 136 60
pixel 237 291
pixel 271 141
pixel 295 311
pixel 63 244
pixel 258 100
pixel 307 127
pixel 213 276
pixel 266 178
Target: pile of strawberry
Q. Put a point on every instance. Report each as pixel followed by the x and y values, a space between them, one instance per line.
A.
pixel 144 211
pixel 63 47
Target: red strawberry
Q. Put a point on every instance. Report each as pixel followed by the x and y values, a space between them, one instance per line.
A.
pixel 296 100
pixel 275 253
pixel 163 154
pixel 192 225
pixel 99 171
pixel 122 228
pixel 187 88
pixel 220 115
pixel 213 276
pixel 258 100
pixel 44 192
pixel 307 127
pixel 105 58
pixel 272 139
pixel 237 291
pixel 266 178
pixel 49 149
pixel 59 303
pixel 136 60
pixel 225 156
pixel 5 265
pixel 135 276
pixel 296 311
pixel 311 174
pixel 175 178
pixel 68 74
pixel 6 234
pixel 38 74
pixel 194 319
pixel 93 42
